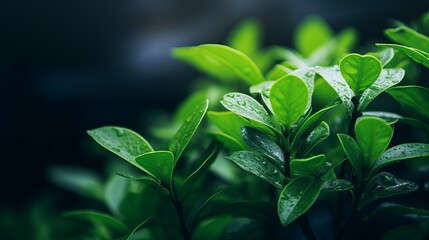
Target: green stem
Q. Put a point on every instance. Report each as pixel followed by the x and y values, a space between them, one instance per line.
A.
pixel 306 227
pixel 179 209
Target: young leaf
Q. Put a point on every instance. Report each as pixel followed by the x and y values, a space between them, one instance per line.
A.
pixel 247 107
pixel 259 166
pixel 315 137
pixel 246 37
pixel 387 79
pixel 264 145
pixel 333 77
pixel 417 55
pixel 373 136
pixel 297 197
pixel 385 185
pixel 353 153
pixel 337 185
pixel 360 71
pixel 310 121
pixel 401 152
pixel 214 59
pixel 413 99
pixel 307 167
pixel 289 99
pixel 123 142
pixel 229 124
pixel 311 34
pixel 158 164
pixel 408 37
pixel 187 130
pixel 201 170
pixel 306 74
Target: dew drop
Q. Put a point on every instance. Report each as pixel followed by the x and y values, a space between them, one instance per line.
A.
pixel 119 132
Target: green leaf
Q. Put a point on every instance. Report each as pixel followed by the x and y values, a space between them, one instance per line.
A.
pixel 384 56
pixel 229 124
pixel 200 171
pixel 393 117
pixel 401 152
pixel 289 98
pixel 418 231
pixel 311 34
pixel 389 209
pixel 311 166
pixel 413 99
pixel 373 136
pixel 387 79
pixel 100 219
pixel 337 185
pixel 293 59
pixel 310 121
pixel 228 141
pixel 360 71
pixel 143 224
pixel 353 153
pixel 115 192
pixel 123 142
pixel 264 145
pixel 221 61
pixel 315 137
pixel 259 166
pixel 247 107
pixel 409 37
pixel 198 208
pixel 277 72
pixel 297 197
pixel 79 180
pixel 261 87
pixel 306 74
pixel 385 185
pixel 246 37
pixel 187 130
pixel 333 77
pixel 417 55
pixel 158 164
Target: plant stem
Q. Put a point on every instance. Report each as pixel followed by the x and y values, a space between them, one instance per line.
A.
pixel 179 209
pixel 306 227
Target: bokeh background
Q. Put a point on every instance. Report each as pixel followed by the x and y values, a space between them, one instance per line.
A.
pixel 70 66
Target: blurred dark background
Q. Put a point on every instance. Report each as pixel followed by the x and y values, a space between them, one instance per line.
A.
pixel 70 66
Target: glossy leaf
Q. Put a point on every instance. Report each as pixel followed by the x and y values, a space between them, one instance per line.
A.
pixel 297 197
pixel 311 34
pixel 360 71
pixel 229 124
pixel 228 141
pixel 373 136
pixel 123 142
pixel 278 71
pixel 401 152
pixel 220 60
pixel 337 185
pixel 393 117
pixel 408 37
pixel 417 55
pixel 259 166
pixel 310 121
pixel 289 98
pixel 385 185
pixel 261 87
pixel 311 166
pixel 265 96
pixel 201 170
pixel 264 145
pixel 306 74
pixel 158 164
pixel 333 77
pixel 387 79
pixel 182 137
pixel 247 107
pixel 384 56
pixel 246 37
pixel 315 137
pixel 413 99
pixel 353 153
